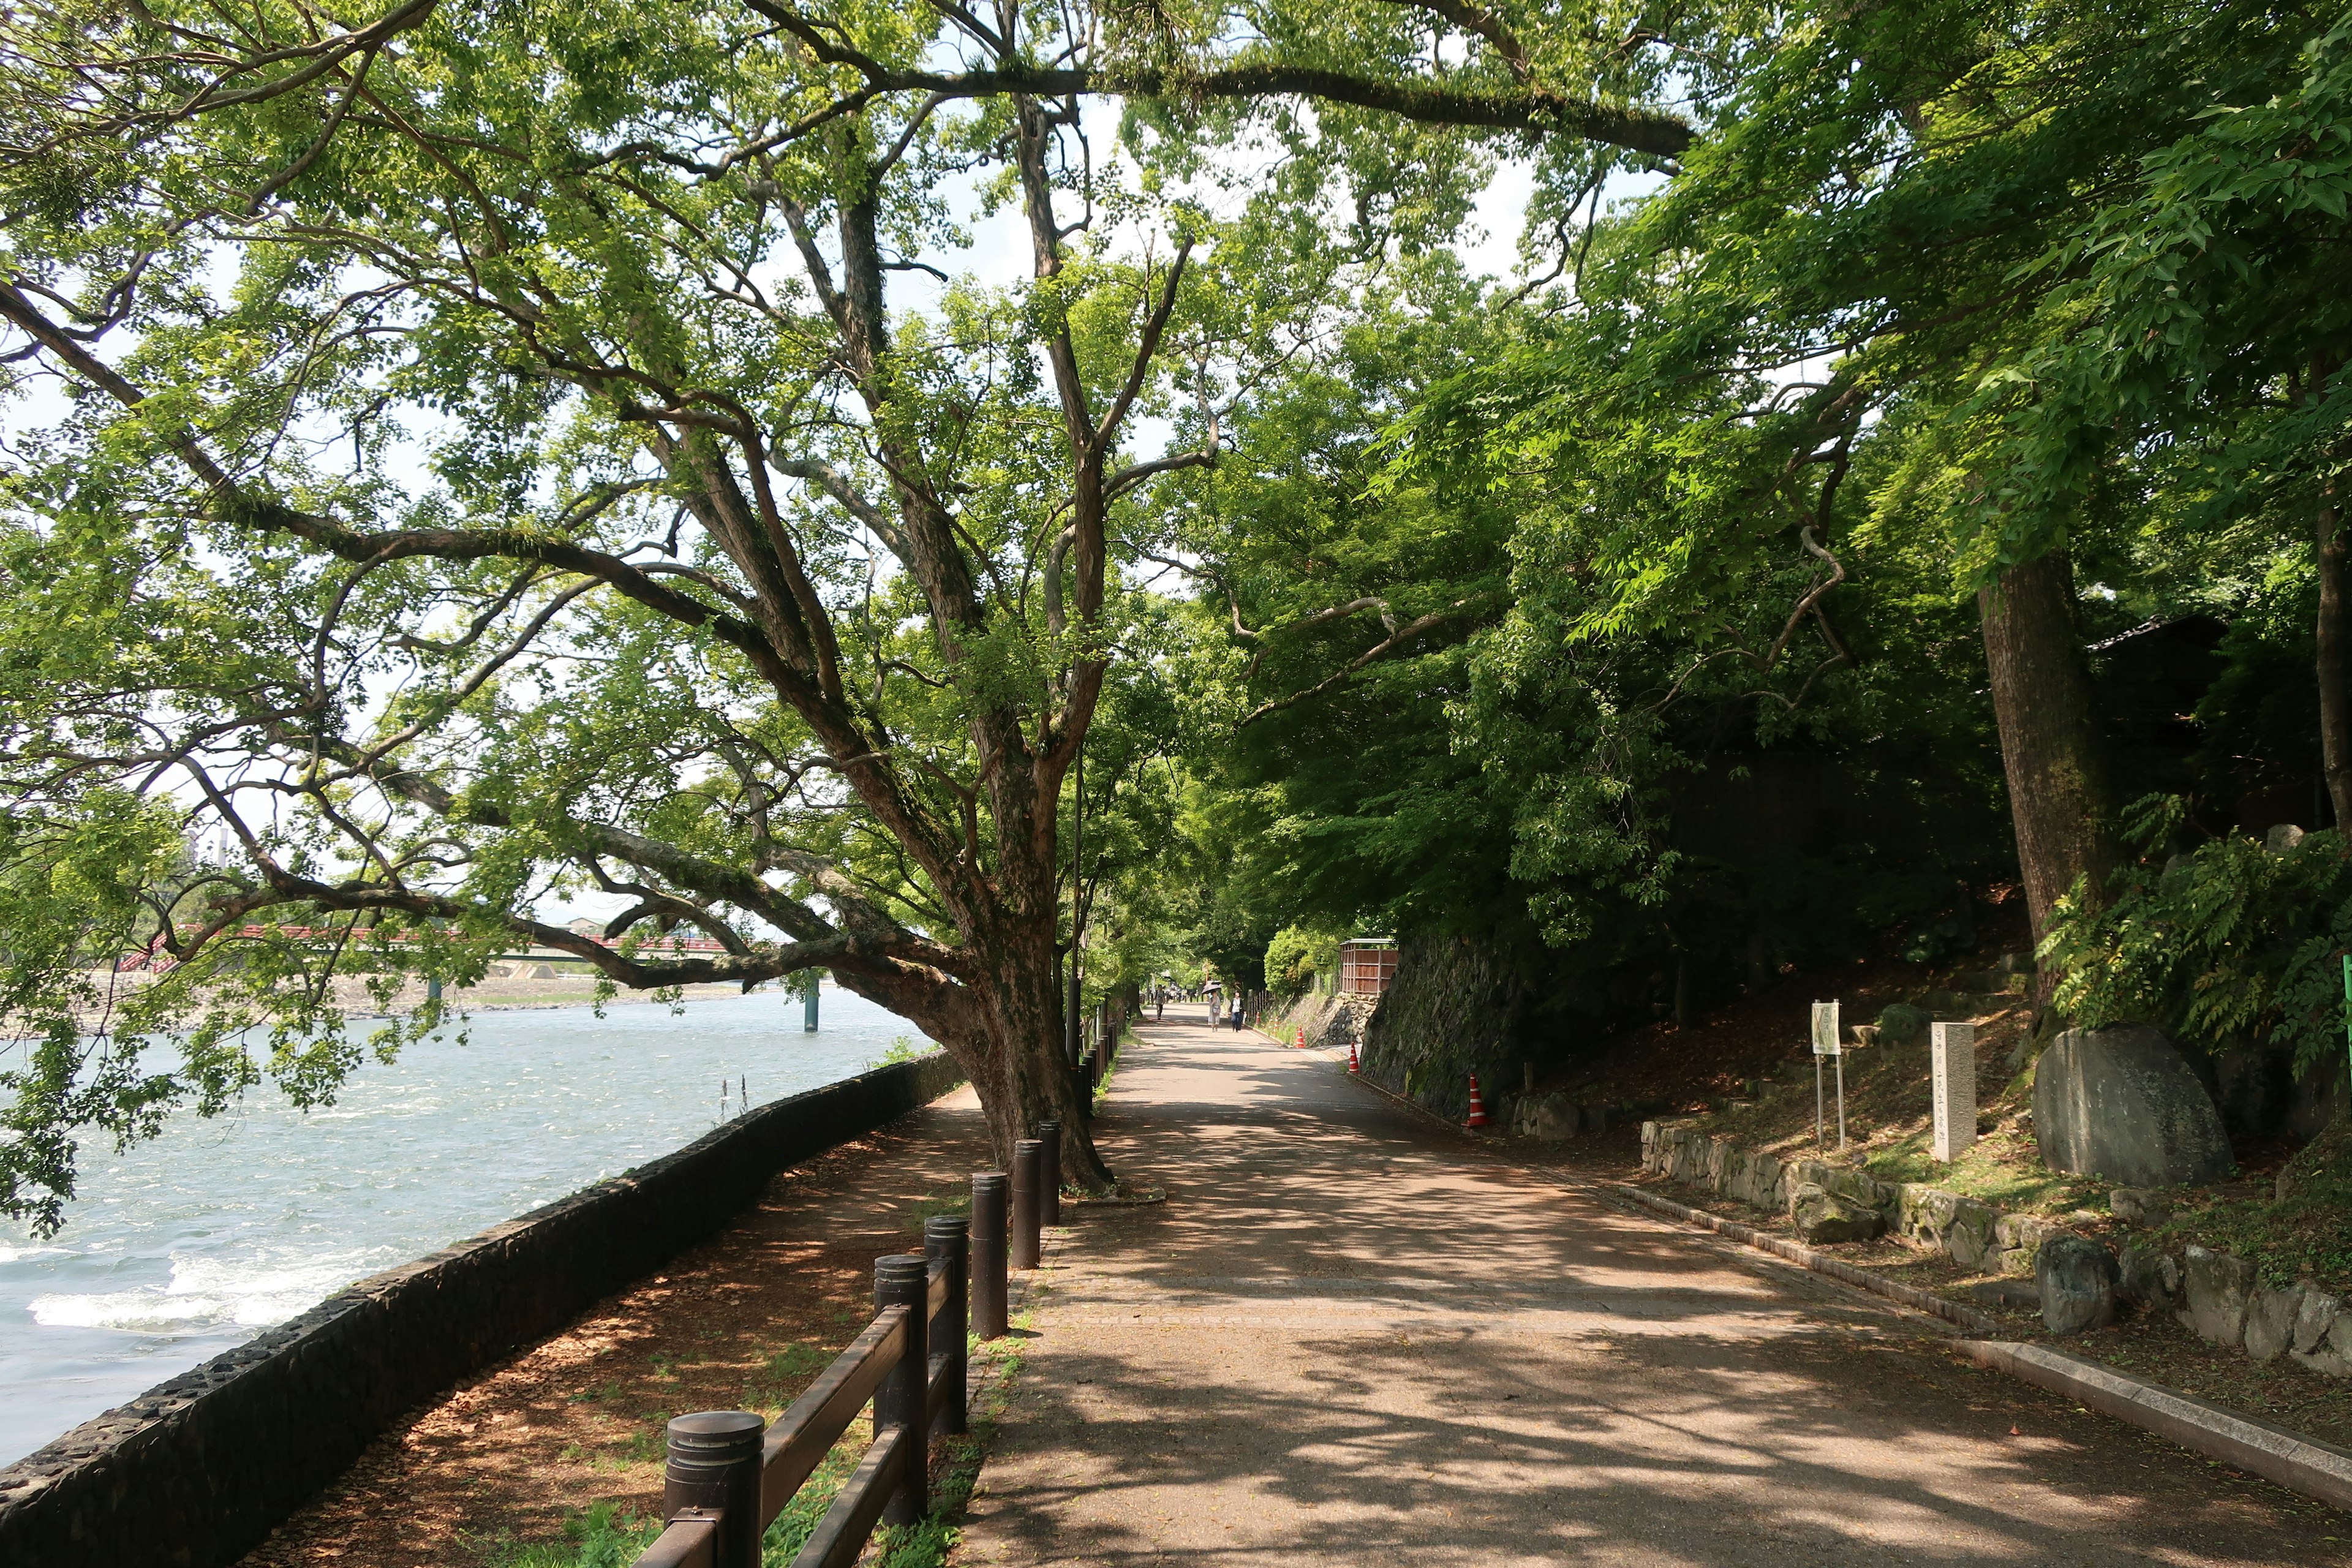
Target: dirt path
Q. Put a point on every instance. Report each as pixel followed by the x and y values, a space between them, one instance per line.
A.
pixel 745 1320
pixel 1349 1336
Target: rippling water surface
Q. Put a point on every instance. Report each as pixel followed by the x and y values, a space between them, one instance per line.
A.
pixel 189 1245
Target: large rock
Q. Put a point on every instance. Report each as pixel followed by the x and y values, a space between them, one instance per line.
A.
pixel 1857 1187
pixel 2137 1205
pixel 1553 1118
pixel 2017 1241
pixel 1969 1242
pixel 2331 1354
pixel 1824 1217
pixel 2315 1319
pixel 2151 1277
pixel 2220 1287
pixel 2076 1279
pixel 1904 1025
pixel 2120 1103
pixel 2270 1322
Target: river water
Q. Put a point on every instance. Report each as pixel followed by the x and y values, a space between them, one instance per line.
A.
pixel 187 1246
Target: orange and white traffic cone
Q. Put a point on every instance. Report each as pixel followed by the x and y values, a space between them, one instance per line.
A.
pixel 1353 1065
pixel 1300 1043
pixel 1479 1117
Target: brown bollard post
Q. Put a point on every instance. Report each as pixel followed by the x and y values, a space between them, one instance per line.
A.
pixel 1026 1168
pixel 988 1219
pixel 946 1242
pixel 714 1464
pixel 1049 1169
pixel 903 1400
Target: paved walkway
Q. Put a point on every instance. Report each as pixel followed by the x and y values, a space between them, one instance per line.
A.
pixel 1349 1335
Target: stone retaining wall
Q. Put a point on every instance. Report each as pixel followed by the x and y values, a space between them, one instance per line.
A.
pixel 1970 1233
pixel 2216 1296
pixel 197 1470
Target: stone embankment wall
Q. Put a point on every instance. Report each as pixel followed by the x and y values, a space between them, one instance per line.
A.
pixel 198 1470
pixel 1328 1019
pixel 2217 1296
pixel 1455 1007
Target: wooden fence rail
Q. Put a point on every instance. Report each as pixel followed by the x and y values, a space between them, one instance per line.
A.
pixel 729 1475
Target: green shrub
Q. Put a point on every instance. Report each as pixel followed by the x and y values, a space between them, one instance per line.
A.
pixel 1296 956
pixel 2231 944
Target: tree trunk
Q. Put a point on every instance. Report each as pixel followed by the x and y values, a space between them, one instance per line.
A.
pixel 2058 796
pixel 2328 552
pixel 1022 1074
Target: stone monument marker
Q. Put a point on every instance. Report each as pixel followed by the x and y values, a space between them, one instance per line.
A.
pixel 1954 1048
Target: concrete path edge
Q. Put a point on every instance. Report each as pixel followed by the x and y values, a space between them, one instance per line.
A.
pixel 2274 1453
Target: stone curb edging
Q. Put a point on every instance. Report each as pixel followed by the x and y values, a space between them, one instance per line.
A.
pixel 1837 1268
pixel 2275 1453
pixel 2279 1454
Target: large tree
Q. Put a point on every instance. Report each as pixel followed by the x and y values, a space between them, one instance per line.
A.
pixel 1879 249
pixel 490 455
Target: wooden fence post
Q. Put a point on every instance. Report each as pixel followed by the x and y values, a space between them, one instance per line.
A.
pixel 988 1260
pixel 714 1463
pixel 946 1242
pixel 1027 1163
pixel 903 1398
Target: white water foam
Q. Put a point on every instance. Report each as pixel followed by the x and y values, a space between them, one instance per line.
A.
pixel 26 1254
pixel 212 1293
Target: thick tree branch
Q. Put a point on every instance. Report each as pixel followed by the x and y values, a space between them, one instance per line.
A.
pixel 1526 107
pixel 1395 640
pixel 1146 349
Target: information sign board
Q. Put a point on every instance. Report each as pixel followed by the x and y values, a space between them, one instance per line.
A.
pixel 1825 1030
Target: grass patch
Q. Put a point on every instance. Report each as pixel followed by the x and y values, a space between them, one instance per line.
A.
pixel 786 1372
pixel 607 1394
pixel 601 1537
pixel 801 1517
pixel 797 1360
pixel 2003 1168
pixel 932 1203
